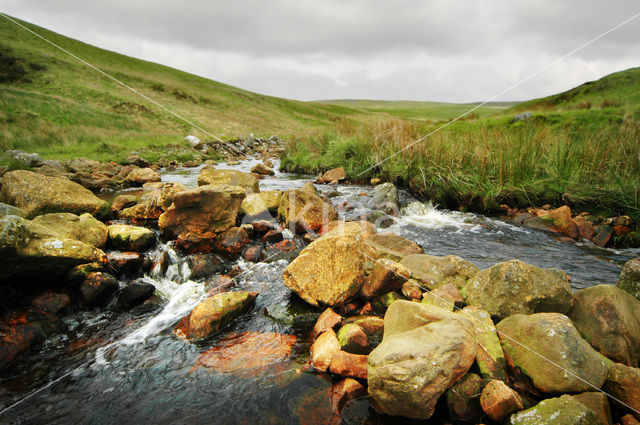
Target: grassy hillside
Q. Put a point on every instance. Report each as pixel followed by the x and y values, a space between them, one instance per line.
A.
pixel 53 104
pixel 423 111
pixel 617 89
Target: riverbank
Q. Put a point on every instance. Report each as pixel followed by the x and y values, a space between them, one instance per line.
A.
pixel 230 299
pixel 584 159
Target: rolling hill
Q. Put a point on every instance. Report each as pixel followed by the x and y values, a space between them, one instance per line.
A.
pixel 53 104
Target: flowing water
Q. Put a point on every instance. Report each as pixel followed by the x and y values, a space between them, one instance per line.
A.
pixel 130 368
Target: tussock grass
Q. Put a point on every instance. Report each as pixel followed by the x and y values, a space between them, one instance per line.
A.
pixel 584 158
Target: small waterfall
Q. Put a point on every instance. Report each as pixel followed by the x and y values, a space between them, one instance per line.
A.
pixel 174 286
pixel 428 216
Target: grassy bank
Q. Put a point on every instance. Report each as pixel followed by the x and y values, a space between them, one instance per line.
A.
pixel 587 159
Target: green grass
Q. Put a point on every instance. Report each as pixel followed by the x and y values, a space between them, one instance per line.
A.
pixel 422 111
pixel 587 159
pixel 54 105
pixel 614 90
pixel 579 148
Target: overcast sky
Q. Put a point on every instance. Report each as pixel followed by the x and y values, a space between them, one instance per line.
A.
pixel 445 50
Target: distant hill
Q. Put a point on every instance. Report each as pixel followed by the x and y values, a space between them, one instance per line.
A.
pixel 417 110
pixel 617 89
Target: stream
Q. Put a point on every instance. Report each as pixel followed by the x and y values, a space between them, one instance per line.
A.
pixel 129 368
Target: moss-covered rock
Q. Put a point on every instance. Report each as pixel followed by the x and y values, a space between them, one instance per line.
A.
pixel 261 205
pixel 131 238
pixel 38 194
pixel 490 357
pixel 302 210
pixel 83 228
pixel 547 349
pixel 353 339
pixel 433 272
pixel 202 210
pixel 382 302
pixel 563 410
pixel 28 248
pixel 214 313
pixel 391 246
pixel 516 287
pixel 630 277
pixel 212 176
pixel 623 383
pixel 609 319
pixel 463 398
pixel 386 275
pixel 425 350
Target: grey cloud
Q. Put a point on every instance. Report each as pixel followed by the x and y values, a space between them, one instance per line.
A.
pixel 448 50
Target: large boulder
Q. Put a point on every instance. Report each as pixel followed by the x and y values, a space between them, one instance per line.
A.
pixel 214 313
pixel 28 248
pixel 563 410
pixel 38 194
pixel 391 246
pixel 547 349
pixel 212 176
pixel 262 170
pixel 425 350
pixel 263 205
pixel 330 270
pixel 301 210
pixel 434 272
pixel 630 277
pixel 516 287
pixel 609 319
pixel 202 210
pixel 131 238
pixel 84 228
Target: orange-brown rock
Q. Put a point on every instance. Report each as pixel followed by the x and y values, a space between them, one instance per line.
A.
pixel 329 319
pixel 585 228
pixel 231 242
pixel 386 275
pixel 304 211
pixel 330 270
pixel 499 401
pixel 323 349
pixel 336 174
pixel 206 209
pixel 51 302
pixel 344 391
pixel 214 313
pixel 248 353
pixel 558 220
pixel 21 331
pixel 347 364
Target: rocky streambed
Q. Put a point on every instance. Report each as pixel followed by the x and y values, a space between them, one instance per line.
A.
pixel 207 294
